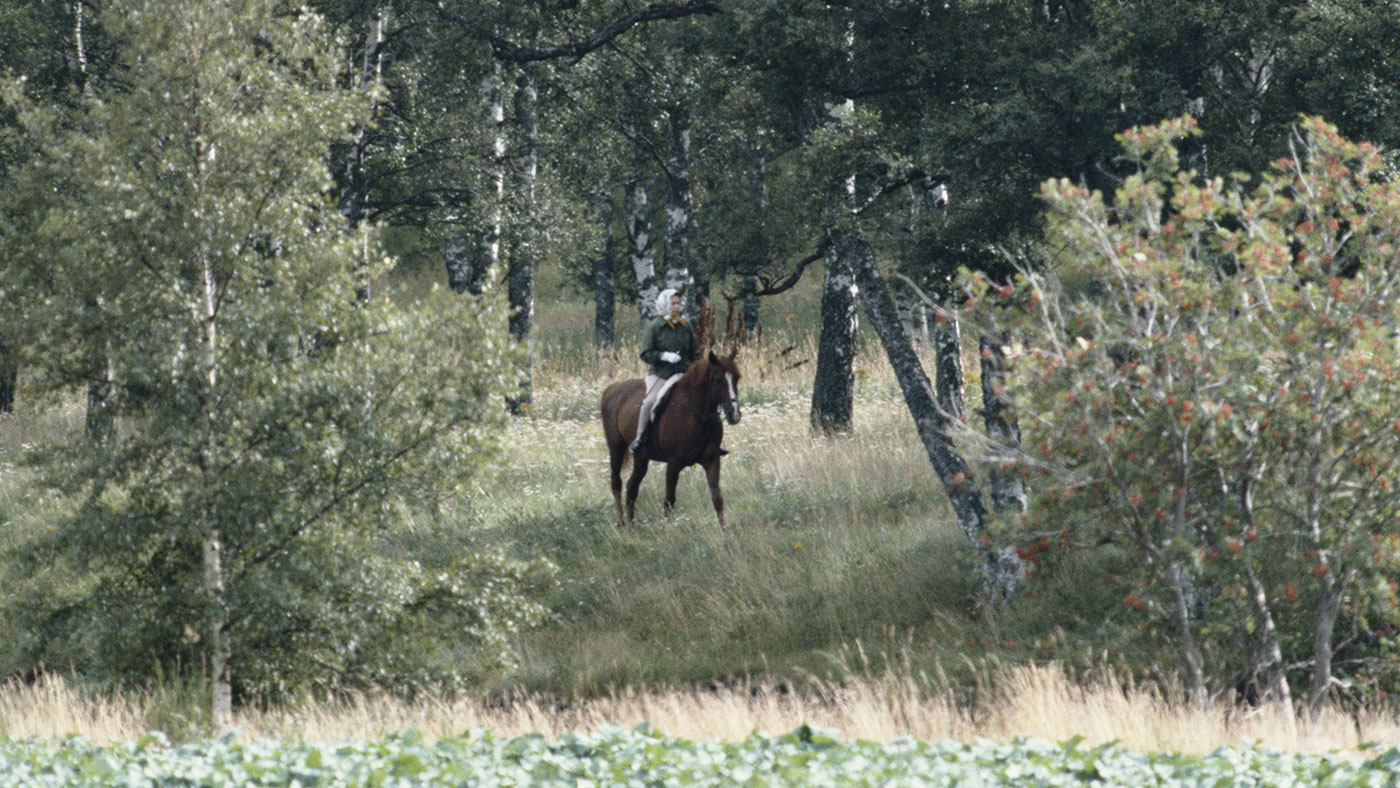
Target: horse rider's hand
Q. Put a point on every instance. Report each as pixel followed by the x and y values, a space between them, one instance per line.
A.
pixel 670 358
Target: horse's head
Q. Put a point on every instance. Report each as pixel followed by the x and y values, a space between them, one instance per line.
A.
pixel 722 381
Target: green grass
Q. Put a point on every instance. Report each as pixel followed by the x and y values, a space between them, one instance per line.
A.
pixel 833 543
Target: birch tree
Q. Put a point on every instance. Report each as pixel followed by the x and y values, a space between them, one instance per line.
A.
pixel 231 525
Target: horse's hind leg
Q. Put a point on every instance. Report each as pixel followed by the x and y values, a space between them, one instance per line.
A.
pixel 712 476
pixel 673 473
pixel 617 456
pixel 634 482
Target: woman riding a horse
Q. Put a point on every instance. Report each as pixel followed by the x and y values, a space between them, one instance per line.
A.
pixel 668 347
pixel 688 430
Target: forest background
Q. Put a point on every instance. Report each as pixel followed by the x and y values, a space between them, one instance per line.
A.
pixel 285 421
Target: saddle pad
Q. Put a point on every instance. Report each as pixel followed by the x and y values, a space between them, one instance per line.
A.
pixel 664 396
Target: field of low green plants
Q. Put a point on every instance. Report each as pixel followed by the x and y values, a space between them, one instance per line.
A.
pixel 638 757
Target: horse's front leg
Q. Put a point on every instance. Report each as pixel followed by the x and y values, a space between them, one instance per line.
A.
pixel 712 476
pixel 673 473
pixel 634 482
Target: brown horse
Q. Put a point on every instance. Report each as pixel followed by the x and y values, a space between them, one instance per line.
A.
pixel 688 431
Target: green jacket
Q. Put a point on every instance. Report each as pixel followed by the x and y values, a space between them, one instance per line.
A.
pixel 662 336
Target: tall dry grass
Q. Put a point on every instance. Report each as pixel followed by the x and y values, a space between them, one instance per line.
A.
pixel 1036 701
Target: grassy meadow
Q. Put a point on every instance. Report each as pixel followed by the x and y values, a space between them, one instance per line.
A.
pixel 839 595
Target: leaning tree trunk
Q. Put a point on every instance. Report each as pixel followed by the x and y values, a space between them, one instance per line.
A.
pixel 520 273
pixel 1001 568
pixel 680 209
pixel 833 390
pixel 604 281
pixel 640 248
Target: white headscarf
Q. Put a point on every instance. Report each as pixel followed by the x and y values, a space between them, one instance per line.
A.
pixel 663 302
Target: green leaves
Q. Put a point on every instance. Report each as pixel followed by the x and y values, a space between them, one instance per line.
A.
pixel 1213 348
pixel 642 757
pixel 182 245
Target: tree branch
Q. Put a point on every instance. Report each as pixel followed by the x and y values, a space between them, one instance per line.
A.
pixel 504 50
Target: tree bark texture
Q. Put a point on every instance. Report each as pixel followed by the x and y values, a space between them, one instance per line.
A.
pixel 680 209
pixel 1001 569
pixel 9 376
pixel 640 248
pixel 751 304
pixel 604 282
pixel 216 605
pixel 1007 488
pixel 1324 627
pixel 1192 663
pixel 520 272
pixel 473 264
pixel 1276 689
pixel 354 190
pixel 466 269
pixel 833 390
pixel 100 421
pixel 493 195
pixel 947 350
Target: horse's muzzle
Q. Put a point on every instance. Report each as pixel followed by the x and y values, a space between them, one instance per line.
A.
pixel 731 412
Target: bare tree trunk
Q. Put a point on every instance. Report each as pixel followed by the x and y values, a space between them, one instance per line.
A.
pixel 640 249
pixel 680 209
pixel 99 423
pixel 833 390
pixel 211 537
pixel 466 271
pixel 1324 626
pixel 520 275
pixel 9 376
pixel 1276 687
pixel 947 350
pixel 1001 569
pixel 1008 490
pixel 488 257
pixel 1178 582
pixel 751 305
pixel 604 285
pixel 354 194
pixel 473 262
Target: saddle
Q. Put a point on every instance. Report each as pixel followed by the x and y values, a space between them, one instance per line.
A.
pixel 664 397
pixel 662 400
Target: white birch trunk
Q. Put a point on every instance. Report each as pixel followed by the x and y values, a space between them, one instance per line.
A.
pixel 520 274
pixel 489 254
pixel 640 248
pixel 206 315
pixel 680 207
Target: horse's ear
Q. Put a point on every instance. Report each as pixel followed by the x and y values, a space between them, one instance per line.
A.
pixel 713 358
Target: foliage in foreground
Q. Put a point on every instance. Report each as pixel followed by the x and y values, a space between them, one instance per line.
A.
pixel 259 426
pixel 637 757
pixel 1209 389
